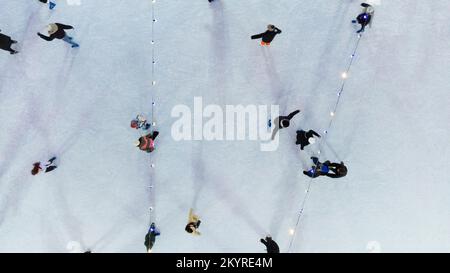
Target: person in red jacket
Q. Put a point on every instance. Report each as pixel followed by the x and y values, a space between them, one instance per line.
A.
pixel 47 167
pixel 147 143
pixel 56 31
pixel 268 36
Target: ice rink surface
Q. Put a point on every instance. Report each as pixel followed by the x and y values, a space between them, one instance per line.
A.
pixel 391 127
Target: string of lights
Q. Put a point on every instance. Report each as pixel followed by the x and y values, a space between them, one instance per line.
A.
pixel 153 123
pixel 345 75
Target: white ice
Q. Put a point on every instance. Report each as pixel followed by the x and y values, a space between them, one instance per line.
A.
pixel 391 127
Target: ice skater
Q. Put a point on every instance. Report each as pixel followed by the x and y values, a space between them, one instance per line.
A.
pixel 338 170
pixel 305 138
pixel 140 122
pixel 268 36
pixel 147 143
pixel 318 169
pixel 193 223
pixel 51 4
pixel 49 166
pixel 271 245
pixel 56 31
pixel 6 42
pixel 282 122
pixel 365 17
pixel 150 238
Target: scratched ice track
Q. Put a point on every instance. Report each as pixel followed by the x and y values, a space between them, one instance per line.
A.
pixel 391 126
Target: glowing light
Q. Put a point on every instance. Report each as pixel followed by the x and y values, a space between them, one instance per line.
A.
pixel 332 114
pixel 344 75
pixel 291 231
pixel 152 165
pixel 153 82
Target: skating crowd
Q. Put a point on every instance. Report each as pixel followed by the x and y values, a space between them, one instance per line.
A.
pixel 146 141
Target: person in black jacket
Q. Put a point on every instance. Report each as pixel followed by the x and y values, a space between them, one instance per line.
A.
pixel 150 238
pixel 56 31
pixel 365 17
pixel 6 42
pixel 305 138
pixel 271 245
pixel 285 121
pixel 268 36
pixel 333 170
pixel 282 122
pixel 338 170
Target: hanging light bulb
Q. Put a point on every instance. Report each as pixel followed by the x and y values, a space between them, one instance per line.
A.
pixel 332 114
pixel 344 75
pixel 291 231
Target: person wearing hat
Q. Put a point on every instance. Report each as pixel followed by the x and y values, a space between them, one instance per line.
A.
pixel 147 143
pixel 338 170
pixel 193 223
pixel 271 245
pixel 365 17
pixel 305 138
pixel 268 36
pixel 56 31
pixel 150 238
pixel 6 42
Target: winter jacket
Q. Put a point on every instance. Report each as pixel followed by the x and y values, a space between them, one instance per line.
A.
pixel 271 245
pixel 147 143
pixel 5 42
pixel 364 19
pixel 150 238
pixel 59 34
pixel 267 36
pixel 321 169
pixel 338 170
pixel 284 121
pixel 303 138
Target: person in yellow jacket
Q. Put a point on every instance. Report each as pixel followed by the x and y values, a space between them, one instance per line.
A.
pixel 193 223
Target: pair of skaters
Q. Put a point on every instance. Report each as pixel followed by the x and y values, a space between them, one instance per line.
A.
pixel 192 228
